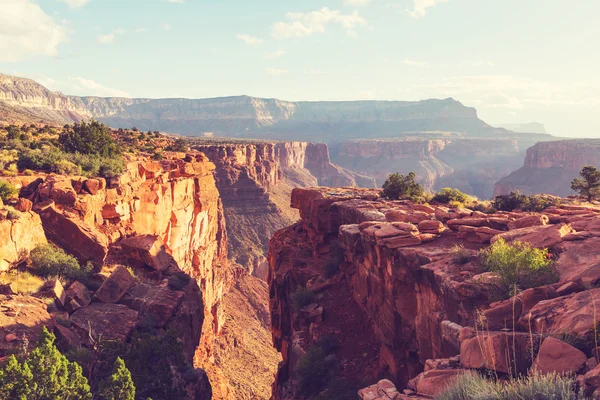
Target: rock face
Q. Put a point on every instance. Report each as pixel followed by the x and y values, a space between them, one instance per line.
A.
pixel 428 316
pixel 255 181
pixel 551 166
pixel 470 164
pixel 18 237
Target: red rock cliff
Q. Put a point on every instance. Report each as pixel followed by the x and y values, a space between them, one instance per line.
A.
pixel 551 166
pixel 414 306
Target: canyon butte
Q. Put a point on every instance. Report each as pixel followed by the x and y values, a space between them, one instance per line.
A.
pixel 270 248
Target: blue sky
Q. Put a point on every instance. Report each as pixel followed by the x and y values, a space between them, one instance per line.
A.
pixel 514 60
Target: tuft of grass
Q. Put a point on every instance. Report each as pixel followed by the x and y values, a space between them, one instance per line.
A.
pixel 22 282
pixel 302 297
pixel 460 255
pixel 472 386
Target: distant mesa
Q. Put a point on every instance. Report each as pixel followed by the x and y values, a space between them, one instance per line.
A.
pixel 528 127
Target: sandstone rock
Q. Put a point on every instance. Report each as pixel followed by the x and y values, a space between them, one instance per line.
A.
pixel 558 357
pixel 434 382
pixel 115 286
pixel 78 292
pixel 149 249
pixel 68 232
pixel 382 390
pixel 66 338
pixel 498 351
pixel 537 236
pixel 106 321
pixel 477 234
pixel 525 222
pixel 18 238
pixel 580 260
pixel 22 317
pixel 570 287
pixel 158 303
pixel 93 186
pixel 59 189
pixel 54 290
pixel 23 205
pixel 431 226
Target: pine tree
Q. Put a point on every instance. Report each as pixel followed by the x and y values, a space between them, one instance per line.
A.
pixel 589 183
pixel 15 380
pixel 119 385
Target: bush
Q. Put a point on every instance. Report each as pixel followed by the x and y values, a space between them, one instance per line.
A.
pixel 317 367
pixel 509 202
pixel 119 385
pixel 538 203
pixel 446 195
pixel 455 204
pixel 518 264
pixel 65 167
pixel 472 386
pixel 302 297
pixel 398 186
pixel 48 260
pixel 89 138
pixel 8 191
pixel 460 255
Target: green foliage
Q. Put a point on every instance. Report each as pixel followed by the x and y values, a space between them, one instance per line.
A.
pixel 302 297
pixel 316 369
pixel 537 203
pixel 535 387
pixel 446 195
pixel 180 145
pixel 179 280
pixel 157 156
pixel 21 282
pixel 8 191
pixel 119 385
pixel 13 132
pixel 518 201
pixel 65 167
pixel 48 260
pixel 89 138
pixel 588 185
pixel 398 186
pixel 44 375
pixel 518 264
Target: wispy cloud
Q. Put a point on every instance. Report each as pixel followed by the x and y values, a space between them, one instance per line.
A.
pixel 110 37
pixel 250 40
pixel 75 3
pixel 88 87
pixel 413 63
pixel 357 3
pixel 276 71
pixel 167 27
pixel 275 54
pixel 27 31
pixel 141 30
pixel 420 7
pixel 307 24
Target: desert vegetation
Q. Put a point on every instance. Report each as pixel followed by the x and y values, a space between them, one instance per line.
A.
pixel 518 201
pixel 588 186
pixel 400 187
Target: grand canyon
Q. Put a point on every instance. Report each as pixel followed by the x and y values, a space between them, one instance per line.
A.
pixel 253 230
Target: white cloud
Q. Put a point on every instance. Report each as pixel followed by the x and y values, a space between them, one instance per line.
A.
pixel 110 37
pixel 420 7
pixel 250 40
pixel 88 87
pixel 167 27
pixel 75 3
pixel 176 1
pixel 275 54
pixel 27 31
pixel 414 63
pixel 307 24
pixel 276 71
pixel 357 3
pixel 141 30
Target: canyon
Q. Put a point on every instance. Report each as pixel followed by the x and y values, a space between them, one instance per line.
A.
pixel 407 315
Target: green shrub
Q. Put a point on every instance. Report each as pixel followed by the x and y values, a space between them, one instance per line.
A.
pixel 538 203
pixel 48 260
pixel 302 297
pixel 8 191
pixel 64 167
pixel 460 255
pixel 88 138
pixel 312 371
pixel 518 264
pixel 157 156
pixel 472 386
pixel 509 202
pixel 446 195
pixel 22 282
pixel 119 385
pixel 398 186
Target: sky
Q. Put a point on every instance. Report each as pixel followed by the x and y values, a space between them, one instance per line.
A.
pixel 513 60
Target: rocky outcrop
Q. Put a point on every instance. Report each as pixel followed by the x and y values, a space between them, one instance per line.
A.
pixel 18 236
pixel 472 165
pixel 550 167
pixel 430 317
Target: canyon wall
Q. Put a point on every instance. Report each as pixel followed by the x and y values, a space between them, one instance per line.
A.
pixel 255 180
pixel 402 305
pixel 469 164
pixel 551 166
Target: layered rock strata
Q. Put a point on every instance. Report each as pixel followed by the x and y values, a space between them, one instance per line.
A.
pixel 430 317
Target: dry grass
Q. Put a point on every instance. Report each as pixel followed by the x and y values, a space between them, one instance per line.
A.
pixel 22 282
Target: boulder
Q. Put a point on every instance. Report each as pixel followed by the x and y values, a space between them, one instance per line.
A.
pixel 580 260
pixel 23 205
pixel 526 222
pixel 499 351
pixel 148 249
pixel 382 390
pixel 477 234
pixel 78 292
pixel 558 357
pixel 70 233
pixel 115 286
pixel 93 186
pixel 434 382
pixel 18 237
pixel 54 290
pixel 151 301
pixel 59 189
pixel 431 226
pixel 537 236
pixel 106 321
